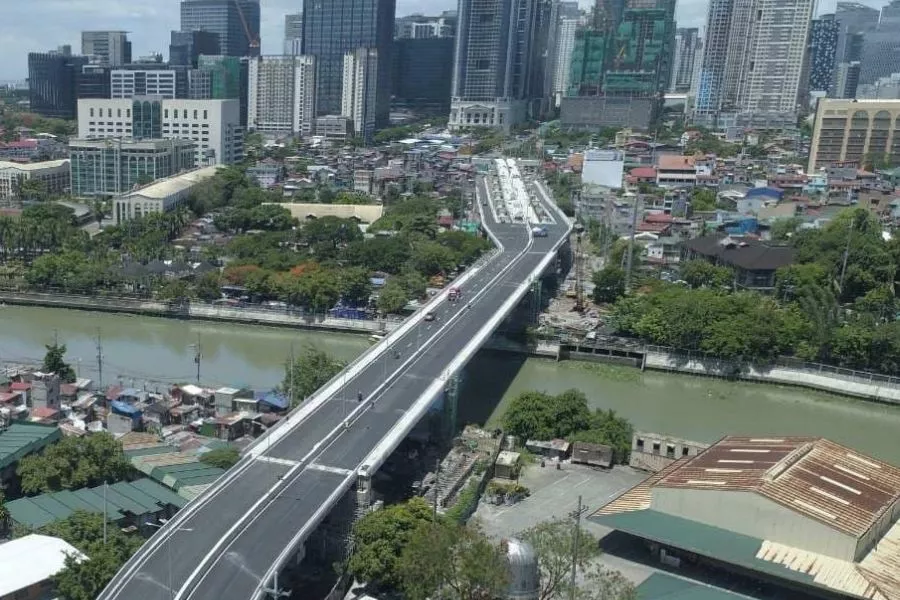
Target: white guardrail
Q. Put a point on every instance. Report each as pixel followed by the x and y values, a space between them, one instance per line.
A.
pixel 412 416
pixel 285 427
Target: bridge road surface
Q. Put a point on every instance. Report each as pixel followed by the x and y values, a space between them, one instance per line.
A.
pixel 224 548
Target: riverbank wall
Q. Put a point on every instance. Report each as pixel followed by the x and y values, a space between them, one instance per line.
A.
pixel 868 386
pixel 200 311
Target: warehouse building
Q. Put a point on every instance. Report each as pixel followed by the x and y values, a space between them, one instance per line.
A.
pixel 804 514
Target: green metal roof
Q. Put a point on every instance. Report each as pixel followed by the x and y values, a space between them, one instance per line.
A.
pixel 660 586
pixel 162 494
pixel 161 449
pixel 21 439
pixel 705 540
pixel 140 497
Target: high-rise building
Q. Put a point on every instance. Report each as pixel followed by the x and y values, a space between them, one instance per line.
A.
pixel 639 64
pixel 332 29
pixel 823 39
pixel 853 18
pixel 422 73
pixel 711 80
pixel 850 130
pixel 608 14
pixel 282 95
pixel 359 94
pixel 492 79
pixel 187 46
pixel 214 125
pixel 109 48
pixel 890 16
pixel 754 58
pixel 880 55
pixel 293 34
pixel 127 83
pixel 235 21
pixel 565 46
pixel 775 59
pixel 53 82
pixel 94 81
pixel 587 66
pixel 419 26
pixel 688 50
pixel 846 80
pixel 114 166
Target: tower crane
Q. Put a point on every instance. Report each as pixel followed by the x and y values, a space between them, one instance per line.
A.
pixel 252 38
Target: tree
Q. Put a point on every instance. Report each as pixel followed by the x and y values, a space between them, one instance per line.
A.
pixel 381 537
pixel 74 463
pixel 208 286
pixel 311 369
pixel 54 363
pixel 84 579
pixel 554 545
pixel 703 199
pixel 447 561
pixel 32 190
pixel 700 273
pixel 609 285
pixel 392 298
pixel 224 458
pixel 540 416
pixel 98 211
pixel 609 429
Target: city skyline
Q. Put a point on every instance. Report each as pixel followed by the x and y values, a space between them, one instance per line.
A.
pixel 42 25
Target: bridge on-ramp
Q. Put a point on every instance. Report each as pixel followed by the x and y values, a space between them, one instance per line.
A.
pixel 230 543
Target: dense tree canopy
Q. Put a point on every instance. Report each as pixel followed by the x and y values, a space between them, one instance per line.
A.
pixel 224 458
pixel 84 579
pixel 72 463
pixel 542 416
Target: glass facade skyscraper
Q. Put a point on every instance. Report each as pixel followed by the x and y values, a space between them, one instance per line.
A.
pixel 823 39
pixel 331 29
pixel 235 21
pixel 52 83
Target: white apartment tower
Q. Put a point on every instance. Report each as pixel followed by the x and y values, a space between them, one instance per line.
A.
pixel 358 96
pixel 771 80
pixel 282 94
pixel 753 59
pixel 565 45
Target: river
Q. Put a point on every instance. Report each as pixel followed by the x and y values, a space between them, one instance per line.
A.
pixel 154 352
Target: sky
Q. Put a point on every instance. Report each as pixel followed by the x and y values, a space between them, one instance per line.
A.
pixel 41 25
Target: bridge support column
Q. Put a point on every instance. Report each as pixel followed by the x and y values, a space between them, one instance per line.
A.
pixel 536 300
pixel 450 413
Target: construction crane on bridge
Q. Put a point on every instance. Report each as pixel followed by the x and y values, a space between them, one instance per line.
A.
pixel 252 38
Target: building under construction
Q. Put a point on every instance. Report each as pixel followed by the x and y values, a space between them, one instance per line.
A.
pixel 621 68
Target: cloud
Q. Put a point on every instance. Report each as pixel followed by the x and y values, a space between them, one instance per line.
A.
pixel 41 25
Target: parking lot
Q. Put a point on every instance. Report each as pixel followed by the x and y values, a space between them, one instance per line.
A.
pixel 554 494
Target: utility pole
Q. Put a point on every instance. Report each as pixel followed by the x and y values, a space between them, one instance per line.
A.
pixel 197 356
pixel 575 542
pixel 99 360
pixel 105 517
pixel 630 260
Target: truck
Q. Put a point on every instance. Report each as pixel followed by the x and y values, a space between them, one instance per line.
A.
pixel 539 231
pixel 454 294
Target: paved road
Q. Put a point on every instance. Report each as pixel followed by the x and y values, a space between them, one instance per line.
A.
pixel 231 537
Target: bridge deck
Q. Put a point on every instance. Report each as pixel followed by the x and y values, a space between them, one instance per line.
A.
pixel 225 542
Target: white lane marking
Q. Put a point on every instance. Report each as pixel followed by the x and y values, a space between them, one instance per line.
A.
pixel 277 461
pixel 327 469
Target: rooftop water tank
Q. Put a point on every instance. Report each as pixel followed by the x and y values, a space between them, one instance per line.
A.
pixel 524 577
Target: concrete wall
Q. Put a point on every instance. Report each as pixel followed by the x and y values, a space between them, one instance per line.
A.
pixel 829 382
pixel 756 516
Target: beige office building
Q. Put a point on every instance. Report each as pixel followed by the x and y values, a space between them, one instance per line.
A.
pixel 849 130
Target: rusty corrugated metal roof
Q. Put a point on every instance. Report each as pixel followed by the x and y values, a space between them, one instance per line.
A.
pixel 812 476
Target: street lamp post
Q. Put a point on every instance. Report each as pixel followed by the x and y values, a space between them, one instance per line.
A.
pixel 160 525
